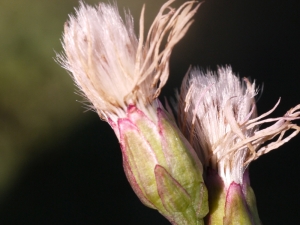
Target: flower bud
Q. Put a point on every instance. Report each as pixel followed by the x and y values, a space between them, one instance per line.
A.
pixel 218 116
pixel 122 76
pixel 162 167
pixel 233 205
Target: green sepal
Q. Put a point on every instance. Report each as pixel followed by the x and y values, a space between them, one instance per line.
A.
pixel 250 198
pixel 236 210
pixel 175 199
pixel 217 198
pixel 173 195
pixel 200 201
pixel 150 132
pixel 140 161
pixel 185 166
pixel 251 202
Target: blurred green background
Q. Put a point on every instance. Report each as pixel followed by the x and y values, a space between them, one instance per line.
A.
pixel 59 165
pixel 37 101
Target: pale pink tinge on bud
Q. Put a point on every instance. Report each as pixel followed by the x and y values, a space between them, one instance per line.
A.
pixel 162 167
pixel 217 114
pixel 233 205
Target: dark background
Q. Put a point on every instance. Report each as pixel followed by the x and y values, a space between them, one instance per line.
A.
pixel 76 177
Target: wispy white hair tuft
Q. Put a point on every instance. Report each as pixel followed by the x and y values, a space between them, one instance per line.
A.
pixel 110 65
pixel 217 113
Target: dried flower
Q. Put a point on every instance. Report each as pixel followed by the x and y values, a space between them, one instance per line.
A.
pixel 110 65
pixel 217 114
pixel 121 75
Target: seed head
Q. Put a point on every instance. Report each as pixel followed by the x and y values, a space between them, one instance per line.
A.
pixel 110 65
pixel 218 115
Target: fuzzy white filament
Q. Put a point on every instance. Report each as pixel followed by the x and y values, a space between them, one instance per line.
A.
pixel 110 65
pixel 217 113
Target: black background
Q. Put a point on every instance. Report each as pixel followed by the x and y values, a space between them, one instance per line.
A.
pixel 80 179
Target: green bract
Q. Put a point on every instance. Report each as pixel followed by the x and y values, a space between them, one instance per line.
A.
pixel 234 205
pixel 162 167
